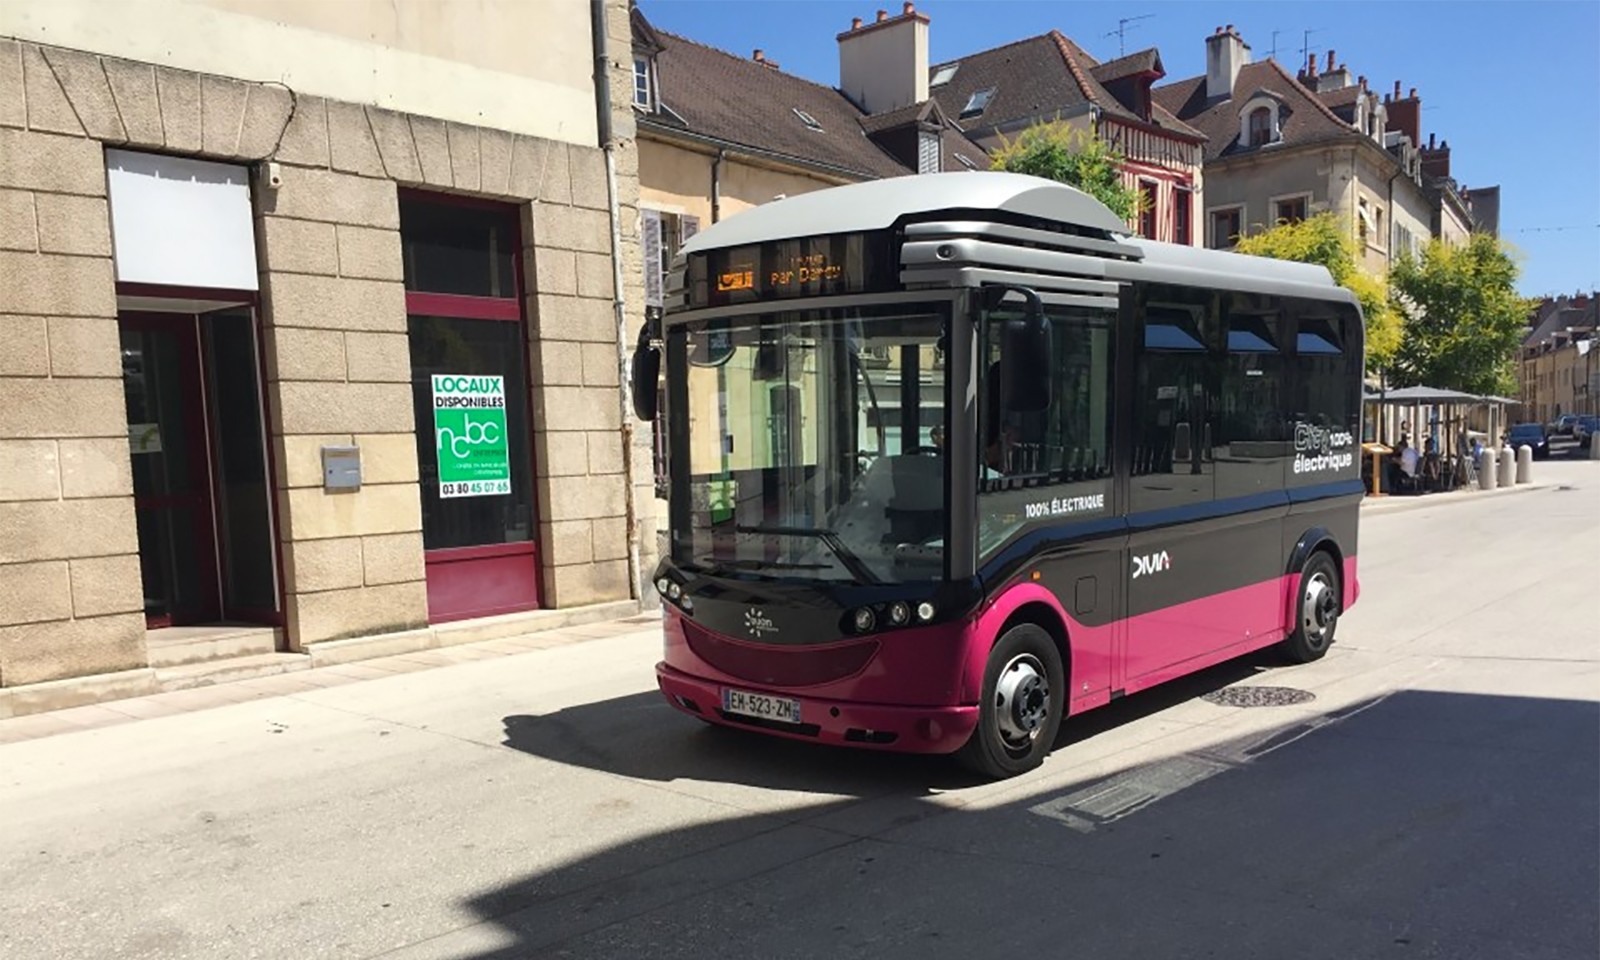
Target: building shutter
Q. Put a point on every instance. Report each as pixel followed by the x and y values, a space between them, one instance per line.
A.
pixel 687 227
pixel 927 152
pixel 651 234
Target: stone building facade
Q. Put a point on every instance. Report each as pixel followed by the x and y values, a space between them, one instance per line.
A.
pixel 234 315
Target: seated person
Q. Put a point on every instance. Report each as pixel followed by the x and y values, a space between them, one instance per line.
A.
pixel 1408 462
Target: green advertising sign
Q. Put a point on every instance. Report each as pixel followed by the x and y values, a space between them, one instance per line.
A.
pixel 469 427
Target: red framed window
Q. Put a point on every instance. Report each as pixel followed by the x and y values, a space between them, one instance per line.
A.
pixel 1182 214
pixel 469 369
pixel 1147 209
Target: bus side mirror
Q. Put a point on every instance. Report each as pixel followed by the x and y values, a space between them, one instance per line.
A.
pixel 646 372
pixel 1025 363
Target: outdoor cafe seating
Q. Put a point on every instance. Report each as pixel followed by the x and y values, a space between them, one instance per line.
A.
pixel 1446 460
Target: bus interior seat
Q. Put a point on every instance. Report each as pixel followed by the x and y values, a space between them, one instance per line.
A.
pixel 909 488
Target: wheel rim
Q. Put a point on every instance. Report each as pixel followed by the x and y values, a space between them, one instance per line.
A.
pixel 1319 609
pixel 1022 701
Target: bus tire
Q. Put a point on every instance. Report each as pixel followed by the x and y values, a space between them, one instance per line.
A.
pixel 1318 602
pixel 1024 696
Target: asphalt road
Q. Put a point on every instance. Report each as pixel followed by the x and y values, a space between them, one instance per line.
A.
pixel 1436 797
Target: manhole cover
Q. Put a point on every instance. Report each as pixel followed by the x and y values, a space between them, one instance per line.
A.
pixel 1258 696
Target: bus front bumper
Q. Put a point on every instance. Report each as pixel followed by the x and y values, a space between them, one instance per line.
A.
pixel 839 722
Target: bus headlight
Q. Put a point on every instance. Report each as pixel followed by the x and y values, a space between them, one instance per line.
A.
pixel 899 613
pixel 865 620
pixel 663 585
pixel 688 605
pixel 674 591
pixel 925 611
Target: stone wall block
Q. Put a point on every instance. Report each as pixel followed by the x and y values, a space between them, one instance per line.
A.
pixel 585 498
pixel 84 82
pixel 554 271
pixel 222 102
pixel 586 583
pixel 107 585
pixel 26 352
pixel 378 358
pixel 570 541
pixel 527 166
pixel 55 285
pixel 179 93
pixel 305 139
pixel 392 558
pixel 67 529
pixel 334 198
pixel 369 254
pixel 463 142
pixel 571 228
pixel 96 467
pixel 345 407
pixel 611 538
pixel 554 363
pixel 433 151
pixel 600 365
pixel 330 303
pixel 294 353
pixel 85 347
pixel 588 168
pixel 298 246
pixel 13 107
pixel 266 115
pixel 34 592
pixel 40 161
pixel 576 319
pixel 595 278
pixel 62 408
pixel 556 184
pixel 392 133
pixel 350 140
pixel 605 454
pixel 494 160
pixel 133 88
pixel 29 470
pixel 18 223
pixel 337 614
pixel 37 652
pixel 48 106
pixel 299 458
pixel 315 565
pixel 388 457
pixel 561 454
pixel 313 514
pixel 76 225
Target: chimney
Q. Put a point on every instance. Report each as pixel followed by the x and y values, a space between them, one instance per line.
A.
pixel 1405 115
pixel 1333 78
pixel 1226 55
pixel 883 65
pixel 1308 76
pixel 1330 62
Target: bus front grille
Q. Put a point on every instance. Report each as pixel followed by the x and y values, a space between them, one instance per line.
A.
pixel 767 663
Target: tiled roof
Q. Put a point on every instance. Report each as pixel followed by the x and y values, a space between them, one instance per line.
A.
pixel 1036 78
pixel 1303 117
pixel 1342 97
pixel 716 94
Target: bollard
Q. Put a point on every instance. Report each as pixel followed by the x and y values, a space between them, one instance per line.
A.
pixel 1486 475
pixel 1524 464
pixel 1508 466
pixel 1594 448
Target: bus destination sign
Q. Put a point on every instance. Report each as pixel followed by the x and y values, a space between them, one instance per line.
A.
pixel 785 269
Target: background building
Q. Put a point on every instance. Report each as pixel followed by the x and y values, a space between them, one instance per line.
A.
pixel 250 333
pixel 1559 371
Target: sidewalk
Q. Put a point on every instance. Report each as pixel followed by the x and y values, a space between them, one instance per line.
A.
pixel 112 712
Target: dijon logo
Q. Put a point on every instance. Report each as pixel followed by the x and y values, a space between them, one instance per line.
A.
pixel 757 623
pixel 1151 563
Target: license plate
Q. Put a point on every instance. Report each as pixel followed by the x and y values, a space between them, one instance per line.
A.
pixel 761 705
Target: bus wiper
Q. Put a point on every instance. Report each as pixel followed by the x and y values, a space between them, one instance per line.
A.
pixel 760 564
pixel 851 562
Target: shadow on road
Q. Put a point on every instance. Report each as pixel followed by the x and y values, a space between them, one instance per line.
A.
pixel 1421 824
pixel 640 736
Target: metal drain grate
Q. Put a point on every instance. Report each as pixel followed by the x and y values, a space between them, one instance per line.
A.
pixel 1258 696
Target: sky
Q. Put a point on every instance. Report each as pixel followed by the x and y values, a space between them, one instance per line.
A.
pixel 1513 86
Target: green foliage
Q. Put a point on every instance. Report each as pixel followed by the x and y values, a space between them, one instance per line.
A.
pixel 1325 240
pixel 1056 151
pixel 1464 319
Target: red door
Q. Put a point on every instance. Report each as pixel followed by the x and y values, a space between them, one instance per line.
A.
pixel 171 467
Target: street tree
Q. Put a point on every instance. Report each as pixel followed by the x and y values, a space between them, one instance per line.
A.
pixel 1326 240
pixel 1464 319
pixel 1056 151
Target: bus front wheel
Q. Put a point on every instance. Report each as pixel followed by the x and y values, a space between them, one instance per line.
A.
pixel 1024 696
pixel 1317 605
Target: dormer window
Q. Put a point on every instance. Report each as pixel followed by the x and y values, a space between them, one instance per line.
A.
pixel 807 119
pixel 1260 127
pixel 643 85
pixel 977 103
pixel 944 74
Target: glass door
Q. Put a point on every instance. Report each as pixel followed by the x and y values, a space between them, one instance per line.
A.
pixel 171 475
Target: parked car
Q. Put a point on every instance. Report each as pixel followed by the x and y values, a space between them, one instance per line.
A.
pixel 1532 435
pixel 1562 426
pixel 1583 429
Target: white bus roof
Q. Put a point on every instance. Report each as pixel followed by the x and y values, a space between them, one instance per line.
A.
pixel 877 204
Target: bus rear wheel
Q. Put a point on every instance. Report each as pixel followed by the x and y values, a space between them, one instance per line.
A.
pixel 1317 606
pixel 1024 696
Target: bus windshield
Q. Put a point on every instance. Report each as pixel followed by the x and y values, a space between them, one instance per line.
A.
pixel 809 444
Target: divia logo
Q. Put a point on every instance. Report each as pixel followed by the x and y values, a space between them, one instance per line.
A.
pixel 757 623
pixel 1151 563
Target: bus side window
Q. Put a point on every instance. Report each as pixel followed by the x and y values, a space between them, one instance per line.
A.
pixel 1174 416
pixel 1253 446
